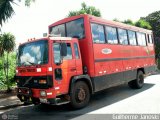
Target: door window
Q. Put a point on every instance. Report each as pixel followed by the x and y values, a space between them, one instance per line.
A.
pixel 57 55
pixel 76 50
pixel 69 52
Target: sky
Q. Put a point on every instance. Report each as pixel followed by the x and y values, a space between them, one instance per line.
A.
pixel 33 21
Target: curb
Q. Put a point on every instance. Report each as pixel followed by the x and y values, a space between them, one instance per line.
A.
pixel 4 94
pixel 11 106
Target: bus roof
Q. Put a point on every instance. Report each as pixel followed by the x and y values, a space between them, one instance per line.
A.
pixel 102 21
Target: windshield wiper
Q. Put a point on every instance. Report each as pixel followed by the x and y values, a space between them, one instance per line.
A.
pixel 24 63
pixel 30 63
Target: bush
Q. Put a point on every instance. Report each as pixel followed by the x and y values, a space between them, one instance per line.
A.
pixel 143 24
pixel 11 71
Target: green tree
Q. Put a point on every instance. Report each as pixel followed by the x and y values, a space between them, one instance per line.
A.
pixel 143 24
pixel 86 10
pixel 11 70
pixel 154 20
pixel 129 22
pixel 117 20
pixel 6 9
pixel 7 44
pixel 1 46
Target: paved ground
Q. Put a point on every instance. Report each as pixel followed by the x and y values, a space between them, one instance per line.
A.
pixel 120 99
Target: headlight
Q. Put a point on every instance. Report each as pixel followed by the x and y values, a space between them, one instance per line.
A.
pixel 43 93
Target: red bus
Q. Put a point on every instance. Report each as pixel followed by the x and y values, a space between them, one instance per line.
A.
pixel 90 55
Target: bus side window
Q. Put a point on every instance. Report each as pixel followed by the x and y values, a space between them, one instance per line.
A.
pixel 150 40
pixel 141 39
pixel 58 30
pixel 132 37
pixel 123 36
pixel 98 33
pixel 111 34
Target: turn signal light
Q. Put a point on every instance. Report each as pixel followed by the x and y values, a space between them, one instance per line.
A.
pixel 42 81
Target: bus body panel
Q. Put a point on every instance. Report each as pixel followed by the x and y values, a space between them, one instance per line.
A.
pixel 106 64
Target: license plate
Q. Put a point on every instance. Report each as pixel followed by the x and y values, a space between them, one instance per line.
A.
pixel 42 100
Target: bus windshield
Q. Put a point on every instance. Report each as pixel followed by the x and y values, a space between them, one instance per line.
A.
pixel 73 28
pixel 33 53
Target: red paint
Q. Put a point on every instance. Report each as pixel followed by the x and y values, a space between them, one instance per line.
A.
pixel 89 52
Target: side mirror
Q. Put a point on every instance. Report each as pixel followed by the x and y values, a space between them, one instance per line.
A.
pixel 63 49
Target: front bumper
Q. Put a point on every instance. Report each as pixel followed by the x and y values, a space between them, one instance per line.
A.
pixel 33 96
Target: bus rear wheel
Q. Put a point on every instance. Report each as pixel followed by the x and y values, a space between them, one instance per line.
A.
pixel 138 82
pixel 80 95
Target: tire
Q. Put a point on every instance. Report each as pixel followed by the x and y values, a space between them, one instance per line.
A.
pixel 26 103
pixel 138 82
pixel 80 95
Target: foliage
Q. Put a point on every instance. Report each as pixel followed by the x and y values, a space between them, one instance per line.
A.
pixel 154 20
pixel 143 24
pixel 2 77
pixel 158 63
pixel 7 45
pixel 128 21
pixel 157 50
pixel 6 9
pixel 115 19
pixel 86 10
pixel 28 2
pixel 11 71
pixel 140 23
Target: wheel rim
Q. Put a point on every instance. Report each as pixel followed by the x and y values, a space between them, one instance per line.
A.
pixel 81 95
pixel 141 80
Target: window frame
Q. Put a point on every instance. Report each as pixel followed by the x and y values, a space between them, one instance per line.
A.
pixel 150 41
pixel 135 37
pixel 77 51
pixel 18 52
pixel 118 27
pixel 116 35
pixel 83 25
pixel 105 40
pixel 67 51
pixel 119 36
pixel 65 26
pixel 53 51
pixel 59 25
pixel 145 38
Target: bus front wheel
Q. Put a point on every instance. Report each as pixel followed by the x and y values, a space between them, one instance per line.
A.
pixel 80 95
